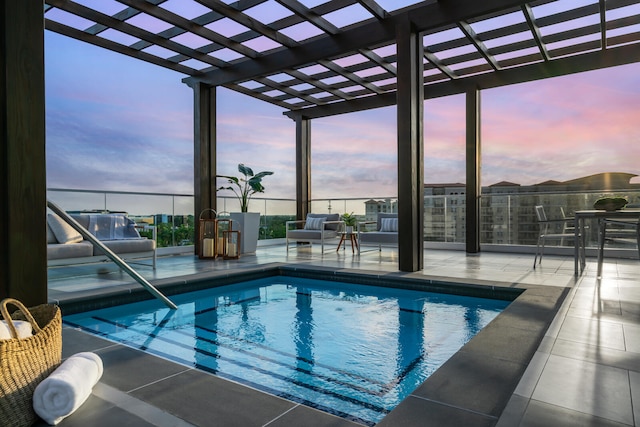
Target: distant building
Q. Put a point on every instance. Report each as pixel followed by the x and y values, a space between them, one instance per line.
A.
pixel 508 215
pixel 373 207
pixel 446 214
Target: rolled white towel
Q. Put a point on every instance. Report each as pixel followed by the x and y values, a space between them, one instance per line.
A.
pixel 23 328
pixel 67 388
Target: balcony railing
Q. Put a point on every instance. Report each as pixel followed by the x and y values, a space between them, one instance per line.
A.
pixel 506 219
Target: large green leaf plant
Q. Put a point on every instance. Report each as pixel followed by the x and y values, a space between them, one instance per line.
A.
pixel 246 186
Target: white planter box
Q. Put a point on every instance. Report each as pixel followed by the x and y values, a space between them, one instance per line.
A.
pixel 249 225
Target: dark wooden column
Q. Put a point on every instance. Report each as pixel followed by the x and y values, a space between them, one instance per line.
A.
pixel 23 235
pixel 474 189
pixel 204 152
pixel 410 148
pixel 303 167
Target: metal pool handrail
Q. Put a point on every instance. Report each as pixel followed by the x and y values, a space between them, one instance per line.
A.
pixel 111 255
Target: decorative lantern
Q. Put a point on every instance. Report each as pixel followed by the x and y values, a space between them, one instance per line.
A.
pixel 232 244
pixel 207 235
pixel 223 225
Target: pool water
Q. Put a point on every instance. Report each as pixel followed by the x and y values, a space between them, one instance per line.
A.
pixel 352 350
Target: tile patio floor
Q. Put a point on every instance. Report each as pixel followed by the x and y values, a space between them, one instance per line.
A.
pixel 585 371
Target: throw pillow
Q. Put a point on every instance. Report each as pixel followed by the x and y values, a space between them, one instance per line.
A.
pixel 389 225
pixel 51 238
pixel 314 223
pixel 64 232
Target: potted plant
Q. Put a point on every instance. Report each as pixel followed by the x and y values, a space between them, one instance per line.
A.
pixel 244 187
pixel 610 203
pixel 349 221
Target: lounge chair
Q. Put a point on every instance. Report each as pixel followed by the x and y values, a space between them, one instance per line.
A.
pixel 315 228
pixel 385 232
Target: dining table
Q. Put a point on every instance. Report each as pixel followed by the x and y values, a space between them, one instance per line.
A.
pixel 579 220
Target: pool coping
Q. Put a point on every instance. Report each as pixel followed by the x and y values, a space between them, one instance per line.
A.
pixel 471 388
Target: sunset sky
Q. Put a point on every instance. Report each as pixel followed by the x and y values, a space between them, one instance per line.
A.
pixel 116 123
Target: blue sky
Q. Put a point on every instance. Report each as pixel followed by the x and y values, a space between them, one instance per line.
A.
pixel 116 123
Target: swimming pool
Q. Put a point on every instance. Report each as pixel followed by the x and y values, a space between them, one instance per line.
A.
pixel 352 350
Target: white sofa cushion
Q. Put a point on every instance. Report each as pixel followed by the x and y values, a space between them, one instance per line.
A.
pixel 64 232
pixel 76 250
pixel 126 246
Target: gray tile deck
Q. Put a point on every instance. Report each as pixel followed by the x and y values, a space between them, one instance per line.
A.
pixel 567 354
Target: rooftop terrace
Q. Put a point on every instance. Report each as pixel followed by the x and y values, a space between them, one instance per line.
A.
pixel 565 353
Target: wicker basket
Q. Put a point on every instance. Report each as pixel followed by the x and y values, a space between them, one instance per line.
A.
pixel 25 362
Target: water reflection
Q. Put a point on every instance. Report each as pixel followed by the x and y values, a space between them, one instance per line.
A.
pixel 410 347
pixel 303 329
pixel 206 319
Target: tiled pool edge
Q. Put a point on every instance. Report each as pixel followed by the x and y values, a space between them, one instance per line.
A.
pixel 116 295
pixel 474 386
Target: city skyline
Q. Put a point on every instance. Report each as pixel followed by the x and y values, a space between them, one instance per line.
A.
pixel 116 123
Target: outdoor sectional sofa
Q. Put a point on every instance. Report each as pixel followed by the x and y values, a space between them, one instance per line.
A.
pixel 65 245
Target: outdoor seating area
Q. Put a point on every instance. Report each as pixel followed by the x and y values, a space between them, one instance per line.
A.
pixel 330 229
pixel 65 245
pixel 563 351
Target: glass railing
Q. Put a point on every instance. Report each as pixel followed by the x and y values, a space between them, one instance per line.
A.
pixel 171 214
pixel 510 219
pixel 274 213
pixel 506 219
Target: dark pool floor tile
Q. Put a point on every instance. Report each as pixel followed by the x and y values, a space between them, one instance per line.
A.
pixel 308 417
pixel 414 411
pixel 502 341
pixel 474 382
pixel 96 412
pixel 75 341
pixel 205 400
pixel 127 368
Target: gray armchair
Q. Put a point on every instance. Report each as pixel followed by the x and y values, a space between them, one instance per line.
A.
pixel 315 228
pixel 382 232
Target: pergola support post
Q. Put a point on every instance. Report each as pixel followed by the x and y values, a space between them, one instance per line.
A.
pixel 410 148
pixel 23 220
pixel 474 189
pixel 303 167
pixel 204 152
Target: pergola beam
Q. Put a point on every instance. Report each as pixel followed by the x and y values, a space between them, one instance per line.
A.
pixel 612 57
pixel 429 16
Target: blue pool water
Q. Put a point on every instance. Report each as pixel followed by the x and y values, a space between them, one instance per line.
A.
pixel 355 351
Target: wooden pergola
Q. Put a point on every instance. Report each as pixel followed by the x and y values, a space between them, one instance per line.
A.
pixel 314 60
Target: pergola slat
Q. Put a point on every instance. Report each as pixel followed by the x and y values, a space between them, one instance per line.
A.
pixel 480 51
